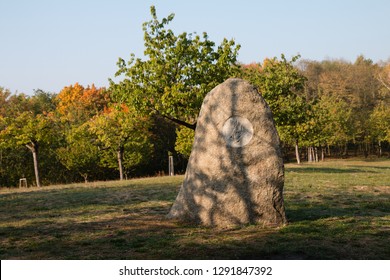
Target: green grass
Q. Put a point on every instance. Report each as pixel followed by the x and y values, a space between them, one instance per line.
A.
pixel 336 210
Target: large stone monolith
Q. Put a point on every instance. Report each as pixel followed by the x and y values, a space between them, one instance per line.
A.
pixel 235 173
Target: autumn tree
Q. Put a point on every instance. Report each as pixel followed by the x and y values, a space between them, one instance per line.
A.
pixel 4 96
pixel 383 76
pixel 176 74
pixel 77 104
pixel 355 90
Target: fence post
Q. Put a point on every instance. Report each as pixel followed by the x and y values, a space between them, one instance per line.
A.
pixel 171 170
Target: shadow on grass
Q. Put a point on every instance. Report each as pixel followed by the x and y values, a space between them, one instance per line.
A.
pixel 385 168
pixel 79 201
pixel 121 224
pixel 319 211
pixel 310 169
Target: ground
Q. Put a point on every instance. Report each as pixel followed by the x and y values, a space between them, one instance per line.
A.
pixel 336 210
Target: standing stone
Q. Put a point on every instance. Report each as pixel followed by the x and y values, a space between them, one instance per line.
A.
pixel 235 173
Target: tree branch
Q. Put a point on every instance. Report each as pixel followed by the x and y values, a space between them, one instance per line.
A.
pixel 32 146
pixel 177 121
pixel 180 122
pixel 380 79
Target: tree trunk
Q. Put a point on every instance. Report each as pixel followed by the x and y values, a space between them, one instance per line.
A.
pixel 120 161
pixel 311 154
pixel 85 176
pixel 365 150
pixel 345 152
pixel 33 147
pixel 297 152
pixel 36 171
pixel 380 148
pixel 322 153
pixel 356 149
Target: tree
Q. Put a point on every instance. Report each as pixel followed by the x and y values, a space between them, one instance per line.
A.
pixel 184 141
pixel 383 77
pixel 31 131
pixel 329 123
pixel 42 102
pixel 355 85
pixel 13 105
pixel 77 104
pixel 281 85
pixel 22 117
pixel 178 72
pixel 4 96
pixel 380 125
pixel 123 136
pixel 80 153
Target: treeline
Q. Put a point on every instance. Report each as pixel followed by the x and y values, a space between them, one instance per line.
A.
pixel 329 108
pixel 79 134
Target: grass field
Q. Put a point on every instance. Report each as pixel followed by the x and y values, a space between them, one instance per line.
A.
pixel 336 210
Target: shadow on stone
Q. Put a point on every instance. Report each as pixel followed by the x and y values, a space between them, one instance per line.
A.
pixel 235 173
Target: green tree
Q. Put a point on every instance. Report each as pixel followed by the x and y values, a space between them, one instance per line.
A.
pixel 124 138
pixel 179 70
pixel 12 105
pixel 380 125
pixel 281 85
pixel 23 116
pixel 80 153
pixel 184 141
pixel 42 102
pixel 329 123
pixel 30 131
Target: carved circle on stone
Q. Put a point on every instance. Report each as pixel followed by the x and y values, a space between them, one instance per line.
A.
pixel 237 131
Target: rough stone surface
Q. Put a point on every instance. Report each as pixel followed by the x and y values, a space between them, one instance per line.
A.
pixel 235 173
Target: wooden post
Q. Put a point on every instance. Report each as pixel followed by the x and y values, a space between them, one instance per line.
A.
pixel 171 169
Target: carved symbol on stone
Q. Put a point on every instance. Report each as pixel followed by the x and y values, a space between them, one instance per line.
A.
pixel 237 131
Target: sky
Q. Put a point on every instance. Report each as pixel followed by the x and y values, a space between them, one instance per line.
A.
pixel 50 44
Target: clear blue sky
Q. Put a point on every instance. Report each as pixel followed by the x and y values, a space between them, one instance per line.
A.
pixel 51 44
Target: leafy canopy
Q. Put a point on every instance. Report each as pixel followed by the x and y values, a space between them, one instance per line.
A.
pixel 77 103
pixel 122 130
pixel 177 73
pixel 281 85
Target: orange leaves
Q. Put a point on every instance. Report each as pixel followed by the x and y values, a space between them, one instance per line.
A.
pixel 76 102
pixel 69 96
pixel 252 66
